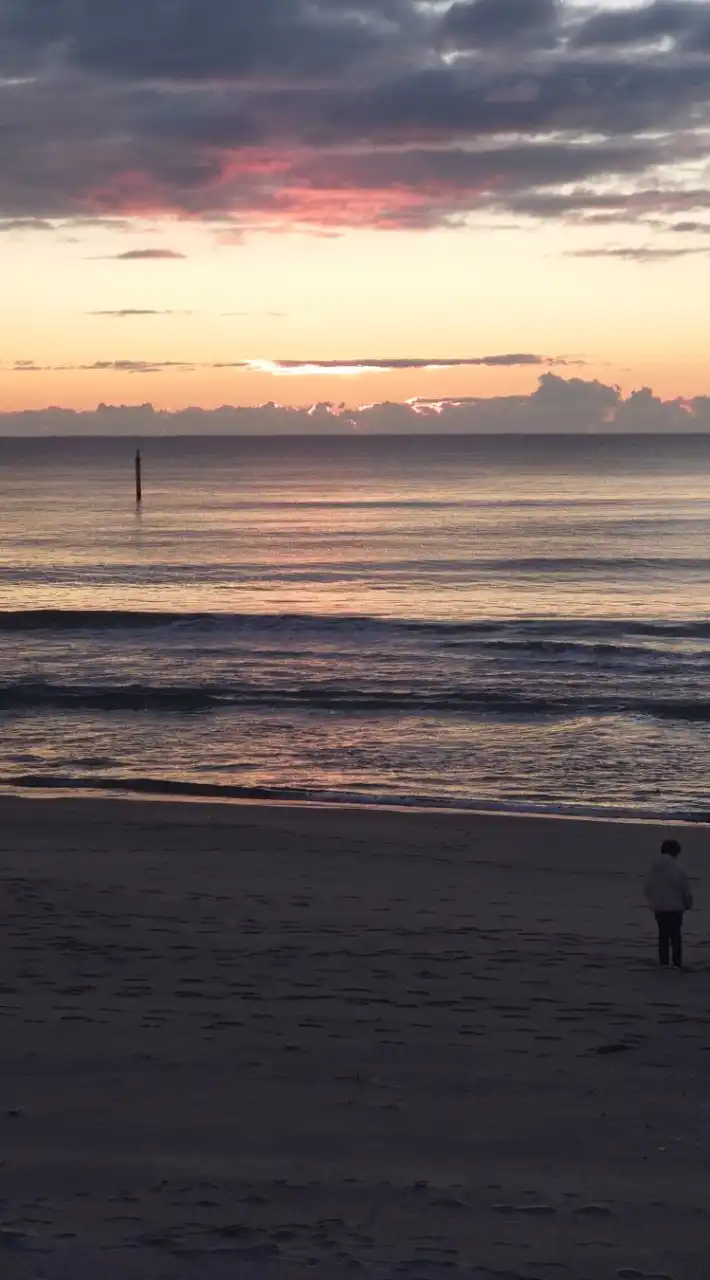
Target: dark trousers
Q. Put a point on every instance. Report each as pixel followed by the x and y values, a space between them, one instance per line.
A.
pixel 670 938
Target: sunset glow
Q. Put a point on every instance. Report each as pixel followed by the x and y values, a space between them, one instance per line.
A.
pixel 364 198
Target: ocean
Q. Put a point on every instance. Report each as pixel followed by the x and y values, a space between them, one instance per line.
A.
pixel 508 623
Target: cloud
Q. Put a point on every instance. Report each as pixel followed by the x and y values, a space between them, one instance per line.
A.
pixel 682 21
pixel 643 253
pixel 127 312
pixel 11 225
pixel 353 368
pixel 31 223
pixel 390 114
pixel 294 368
pixel 557 405
pixel 688 227
pixel 213 39
pixel 104 366
pixel 135 366
pixel 478 23
pixel 584 204
pixel 146 255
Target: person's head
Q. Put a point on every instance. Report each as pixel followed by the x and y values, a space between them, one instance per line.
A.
pixel 671 847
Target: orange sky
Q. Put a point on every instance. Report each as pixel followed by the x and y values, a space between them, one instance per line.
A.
pixel 470 292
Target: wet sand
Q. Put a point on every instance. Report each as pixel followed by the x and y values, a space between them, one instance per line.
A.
pixel 268 1041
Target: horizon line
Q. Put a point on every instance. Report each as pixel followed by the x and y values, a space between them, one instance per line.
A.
pixel 609 433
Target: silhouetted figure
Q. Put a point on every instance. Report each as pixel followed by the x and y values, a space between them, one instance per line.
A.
pixel 669 895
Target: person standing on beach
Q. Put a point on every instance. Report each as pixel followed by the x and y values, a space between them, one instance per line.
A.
pixel 669 896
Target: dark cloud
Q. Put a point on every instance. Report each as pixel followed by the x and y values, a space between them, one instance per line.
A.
pixel 380 365
pixel 578 95
pixel 193 40
pixel 146 255
pixel 25 224
pixel 558 405
pixel 455 362
pixel 434 362
pixel 127 312
pixel 513 165
pixel 478 23
pixel 326 114
pixel 689 227
pixel 291 366
pixel 135 366
pixel 686 21
pixel 643 254
pixel 103 366
pixel 31 223
pixel 624 206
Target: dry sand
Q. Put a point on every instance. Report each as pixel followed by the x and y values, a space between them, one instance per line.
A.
pixel 277 1042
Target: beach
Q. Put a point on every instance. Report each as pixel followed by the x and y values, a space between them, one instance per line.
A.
pixel 250 1040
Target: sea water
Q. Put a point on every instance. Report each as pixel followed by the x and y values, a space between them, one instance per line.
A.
pixel 515 623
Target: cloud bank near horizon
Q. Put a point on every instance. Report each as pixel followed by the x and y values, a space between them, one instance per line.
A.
pixel 387 114
pixel 557 406
pixel 293 368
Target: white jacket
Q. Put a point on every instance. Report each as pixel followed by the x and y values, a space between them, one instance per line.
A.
pixel 667 887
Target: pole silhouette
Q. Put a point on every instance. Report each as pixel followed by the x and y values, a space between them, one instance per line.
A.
pixel 139 480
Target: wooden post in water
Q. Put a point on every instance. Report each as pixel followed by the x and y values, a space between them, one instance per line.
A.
pixel 139 484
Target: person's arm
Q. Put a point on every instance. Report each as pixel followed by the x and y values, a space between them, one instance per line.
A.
pixel 687 891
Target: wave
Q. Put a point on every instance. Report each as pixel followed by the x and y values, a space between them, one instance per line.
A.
pixel 36 696
pixel 12 620
pixel 183 789
pixel 588 648
pixel 25 696
pixel 228 573
pixel 570 629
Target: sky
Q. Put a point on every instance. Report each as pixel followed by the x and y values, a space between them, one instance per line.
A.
pixel 351 202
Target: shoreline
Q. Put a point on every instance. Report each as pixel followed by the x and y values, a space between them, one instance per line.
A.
pixel 167 791
pixel 409 831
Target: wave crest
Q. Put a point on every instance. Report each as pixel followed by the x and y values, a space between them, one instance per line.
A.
pixel 26 696
pixel 521 629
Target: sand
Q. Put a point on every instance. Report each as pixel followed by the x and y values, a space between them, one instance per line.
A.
pixel 268 1041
